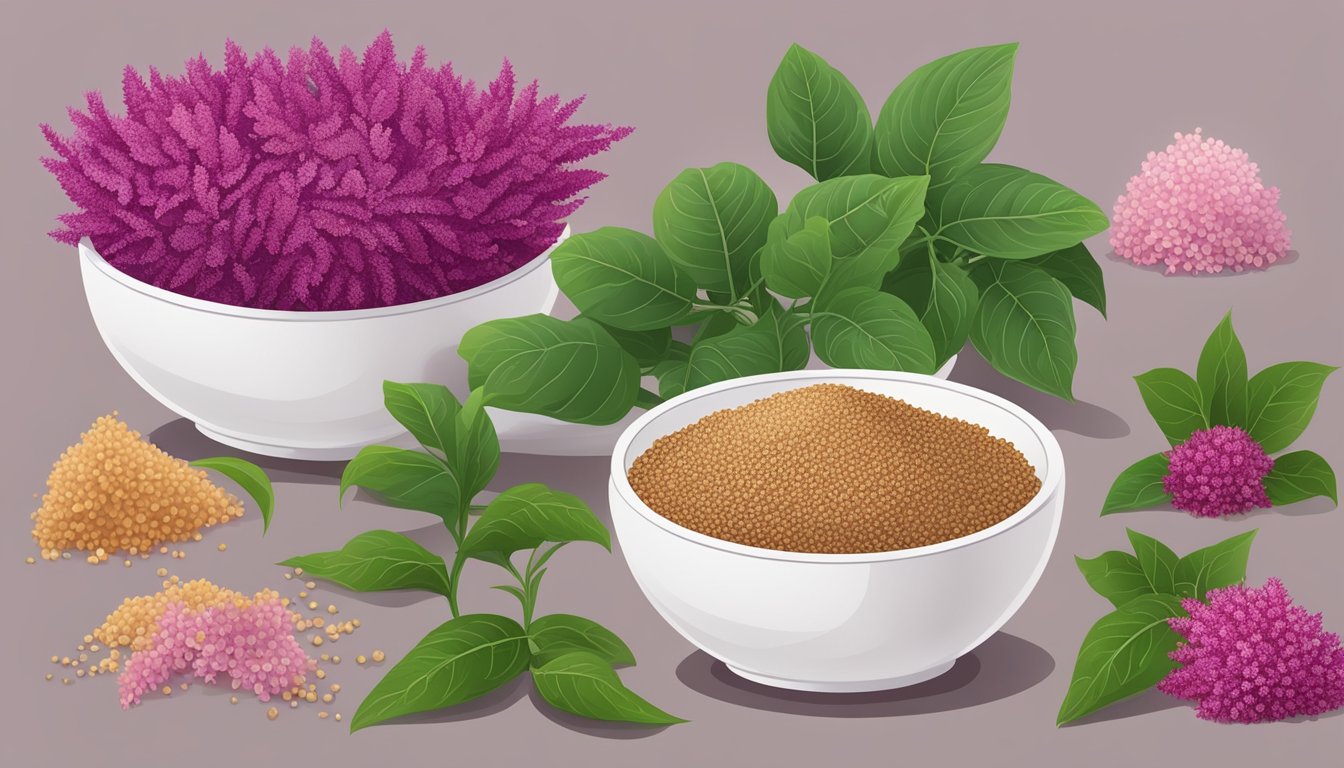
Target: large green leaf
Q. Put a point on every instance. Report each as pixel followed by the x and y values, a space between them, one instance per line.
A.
pixel 647 347
pixel 1024 326
pixel 1175 402
pixel 623 278
pixel 525 516
pixel 865 328
pixel 947 115
pixel 1076 268
pixel 249 477
pixel 942 294
pixel 460 660
pixel 584 684
pixel 711 220
pixel 377 561
pixel 571 370
pixel 1282 401
pixel 1157 562
pixel 815 117
pixel 560 633
pixel 1222 377
pixel 1139 486
pixel 1219 565
pixel 776 342
pixel 796 266
pixel 1126 652
pixel 1011 213
pixel 1116 576
pixel 407 479
pixel 427 411
pixel 1298 476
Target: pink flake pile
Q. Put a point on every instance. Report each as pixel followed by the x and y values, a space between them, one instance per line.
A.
pixel 1217 472
pixel 1251 656
pixel 1199 206
pixel 253 646
pixel 322 183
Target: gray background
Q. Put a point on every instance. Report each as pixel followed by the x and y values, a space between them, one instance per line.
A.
pixel 1096 88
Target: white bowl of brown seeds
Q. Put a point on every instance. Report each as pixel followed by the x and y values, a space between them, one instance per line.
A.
pixel 837 530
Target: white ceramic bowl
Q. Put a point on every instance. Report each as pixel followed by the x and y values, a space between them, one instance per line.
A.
pixel 857 622
pixel 295 384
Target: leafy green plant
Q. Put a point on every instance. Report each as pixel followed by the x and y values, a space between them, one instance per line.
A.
pixel 571 658
pixel 1273 407
pixel 1128 650
pixel 249 477
pixel 908 245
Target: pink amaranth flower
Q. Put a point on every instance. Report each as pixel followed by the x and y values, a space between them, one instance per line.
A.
pixel 1251 656
pixel 1217 472
pixel 317 182
pixel 252 645
pixel 1199 206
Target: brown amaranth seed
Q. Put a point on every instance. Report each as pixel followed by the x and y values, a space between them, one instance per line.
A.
pixel 829 468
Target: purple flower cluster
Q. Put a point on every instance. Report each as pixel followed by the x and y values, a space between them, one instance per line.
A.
pixel 320 182
pixel 1251 656
pixel 1217 472
pixel 251 643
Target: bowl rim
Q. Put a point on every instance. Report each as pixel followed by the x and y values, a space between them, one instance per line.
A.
pixel 90 256
pixel 1050 483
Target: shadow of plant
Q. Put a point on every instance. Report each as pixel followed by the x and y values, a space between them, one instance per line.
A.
pixel 1079 417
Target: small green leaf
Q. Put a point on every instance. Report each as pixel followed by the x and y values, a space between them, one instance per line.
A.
pixel 1220 565
pixel 1076 268
pixel 865 328
pixel 870 217
pixel 1025 326
pixel 561 633
pixel 947 115
pixel 1139 486
pixel 1115 576
pixel 623 278
pixel 1157 562
pixel 943 295
pixel 711 220
pixel 1126 652
pixel 776 342
pixel 477 456
pixel 815 117
pixel 407 479
pixel 1175 402
pixel 250 477
pixel 1282 401
pixel 377 561
pixel 1222 377
pixel 464 658
pixel 525 516
pixel 427 411
pixel 1298 476
pixel 796 266
pixel 647 347
pixel 584 684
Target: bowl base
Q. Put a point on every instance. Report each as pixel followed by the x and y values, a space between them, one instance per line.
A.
pixel 850 686
pixel 338 453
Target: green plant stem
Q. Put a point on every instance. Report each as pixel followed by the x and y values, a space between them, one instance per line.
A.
pixel 453 577
pixel 974 259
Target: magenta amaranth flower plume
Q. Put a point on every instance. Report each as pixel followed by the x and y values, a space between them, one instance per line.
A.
pixel 319 183
pixel 1199 206
pixel 1217 472
pixel 1252 656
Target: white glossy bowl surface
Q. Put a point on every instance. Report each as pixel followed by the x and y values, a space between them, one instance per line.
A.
pixel 850 622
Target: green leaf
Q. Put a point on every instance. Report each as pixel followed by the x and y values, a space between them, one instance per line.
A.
pixel 1298 476
pixel 1079 272
pixel 943 295
pixel 1157 562
pixel 250 477
pixel 584 684
pixel 407 479
pixel 570 370
pixel 1139 486
pixel 1282 401
pixel 477 456
pixel 1175 402
pixel 1025 326
pixel 1115 576
pixel 524 517
pixel 1125 652
pixel 623 278
pixel 815 117
pixel 796 266
pixel 1220 565
pixel 1011 213
pixel 561 633
pixel 947 115
pixel 1222 377
pixel 776 342
pixel 460 660
pixel 865 328
pixel 711 220
pixel 427 411
pixel 377 561
pixel 647 347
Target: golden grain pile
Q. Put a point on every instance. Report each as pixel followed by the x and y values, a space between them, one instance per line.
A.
pixel 833 469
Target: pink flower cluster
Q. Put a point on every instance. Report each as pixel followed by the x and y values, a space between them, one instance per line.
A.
pixel 1252 656
pixel 1217 472
pixel 1199 206
pixel 318 183
pixel 252 645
